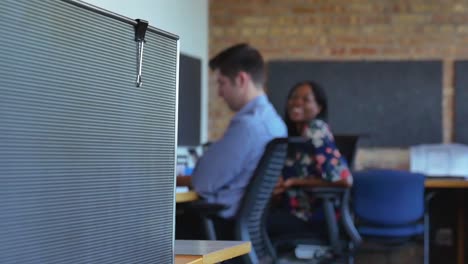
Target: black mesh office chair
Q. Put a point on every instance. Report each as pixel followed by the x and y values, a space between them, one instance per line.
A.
pixel 250 222
pixel 251 218
pixel 341 236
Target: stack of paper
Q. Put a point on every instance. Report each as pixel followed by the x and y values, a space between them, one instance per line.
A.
pixel 441 160
pixel 181 189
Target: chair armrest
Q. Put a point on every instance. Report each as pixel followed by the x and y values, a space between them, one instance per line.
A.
pixel 328 196
pixel 328 192
pixel 335 193
pixel 347 220
pixel 325 193
pixel 338 190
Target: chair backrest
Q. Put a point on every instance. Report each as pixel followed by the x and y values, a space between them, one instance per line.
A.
pixel 388 197
pixel 250 222
pixel 347 144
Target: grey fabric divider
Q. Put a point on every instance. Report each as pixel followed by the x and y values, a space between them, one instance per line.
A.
pixel 388 103
pixel 86 158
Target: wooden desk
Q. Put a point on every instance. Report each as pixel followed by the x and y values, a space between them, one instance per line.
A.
pixel 458 184
pixel 446 183
pixel 191 251
pixel 186 259
pixel 189 196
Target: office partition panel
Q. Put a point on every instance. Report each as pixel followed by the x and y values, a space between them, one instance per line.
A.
pixel 87 158
pixel 389 103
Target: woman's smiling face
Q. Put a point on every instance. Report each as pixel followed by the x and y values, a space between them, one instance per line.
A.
pixel 302 105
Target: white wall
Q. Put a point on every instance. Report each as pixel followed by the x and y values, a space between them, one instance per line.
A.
pixel 186 18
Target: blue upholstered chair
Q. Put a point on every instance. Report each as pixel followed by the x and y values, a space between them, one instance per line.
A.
pixel 389 207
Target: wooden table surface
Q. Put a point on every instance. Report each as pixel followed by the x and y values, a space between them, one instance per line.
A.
pixel 209 251
pixel 182 197
pixel 446 183
pixel 187 259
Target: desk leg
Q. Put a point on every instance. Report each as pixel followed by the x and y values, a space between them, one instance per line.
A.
pixel 427 222
pixel 461 228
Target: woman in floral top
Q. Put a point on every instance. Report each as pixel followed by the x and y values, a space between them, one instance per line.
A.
pixel 316 165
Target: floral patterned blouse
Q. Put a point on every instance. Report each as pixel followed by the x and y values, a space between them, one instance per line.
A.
pixel 319 160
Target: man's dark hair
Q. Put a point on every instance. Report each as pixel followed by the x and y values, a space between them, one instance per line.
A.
pixel 240 57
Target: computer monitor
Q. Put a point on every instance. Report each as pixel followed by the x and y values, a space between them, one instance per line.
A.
pixel 189 101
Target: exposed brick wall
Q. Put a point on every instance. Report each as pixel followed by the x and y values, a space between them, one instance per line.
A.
pixel 344 30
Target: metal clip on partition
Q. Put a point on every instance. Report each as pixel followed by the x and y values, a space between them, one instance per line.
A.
pixel 140 31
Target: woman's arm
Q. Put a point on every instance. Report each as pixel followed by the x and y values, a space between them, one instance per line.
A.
pixel 329 166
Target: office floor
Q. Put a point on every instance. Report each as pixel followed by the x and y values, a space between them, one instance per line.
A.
pixel 410 254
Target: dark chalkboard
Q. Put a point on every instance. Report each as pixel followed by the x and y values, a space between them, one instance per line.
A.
pixel 189 101
pixel 461 102
pixel 393 103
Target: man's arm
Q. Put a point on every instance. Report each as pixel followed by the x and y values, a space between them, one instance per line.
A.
pixel 224 160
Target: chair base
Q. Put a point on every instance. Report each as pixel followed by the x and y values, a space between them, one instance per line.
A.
pixel 286 252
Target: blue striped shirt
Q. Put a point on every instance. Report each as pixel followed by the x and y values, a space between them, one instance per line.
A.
pixel 225 169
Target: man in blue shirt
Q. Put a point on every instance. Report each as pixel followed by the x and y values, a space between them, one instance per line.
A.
pixel 225 169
